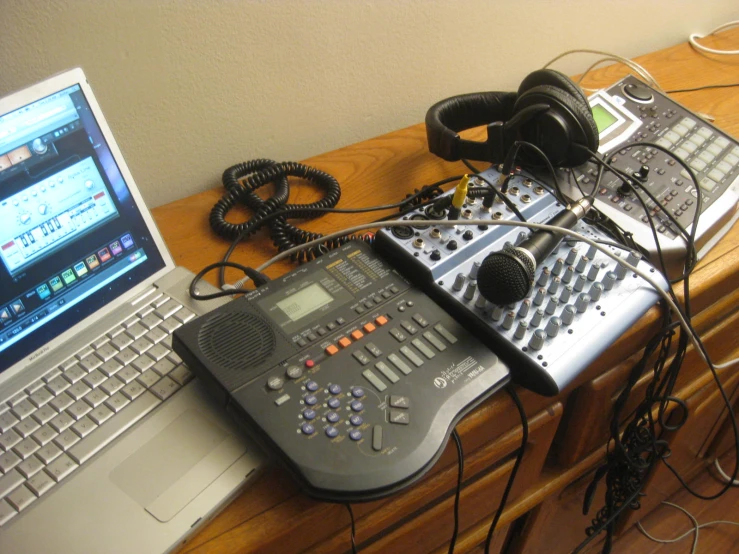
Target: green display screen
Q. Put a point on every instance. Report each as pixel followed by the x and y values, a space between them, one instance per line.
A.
pixel 603 118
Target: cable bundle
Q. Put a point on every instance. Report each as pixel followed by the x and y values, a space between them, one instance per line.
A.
pixel 242 180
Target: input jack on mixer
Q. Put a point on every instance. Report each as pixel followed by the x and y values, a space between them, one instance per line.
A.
pixel 418 243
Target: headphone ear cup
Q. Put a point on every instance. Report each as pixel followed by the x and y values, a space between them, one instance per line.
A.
pixel 553 79
pixel 568 122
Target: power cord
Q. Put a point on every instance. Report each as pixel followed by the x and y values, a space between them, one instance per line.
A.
pixel 695 529
pixel 353 529
pixel 693 39
pixel 519 457
pixel 727 479
pixel 458 491
pixel 635 67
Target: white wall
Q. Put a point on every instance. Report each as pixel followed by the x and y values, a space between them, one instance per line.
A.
pixel 191 87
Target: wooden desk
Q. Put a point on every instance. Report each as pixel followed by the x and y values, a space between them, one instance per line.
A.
pixel 273 516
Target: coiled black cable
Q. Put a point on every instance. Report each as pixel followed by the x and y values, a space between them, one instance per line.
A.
pixel 242 180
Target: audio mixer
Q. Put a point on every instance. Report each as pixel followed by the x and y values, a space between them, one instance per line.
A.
pixel 353 377
pixel 630 113
pixel 581 300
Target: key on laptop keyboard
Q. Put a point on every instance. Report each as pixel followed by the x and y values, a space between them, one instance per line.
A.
pixel 61 421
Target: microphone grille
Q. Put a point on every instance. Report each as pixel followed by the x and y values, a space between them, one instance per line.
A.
pixel 505 277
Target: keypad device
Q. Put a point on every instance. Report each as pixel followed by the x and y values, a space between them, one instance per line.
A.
pixel 629 122
pixel 375 397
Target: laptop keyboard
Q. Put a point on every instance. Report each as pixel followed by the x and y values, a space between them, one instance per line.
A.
pixel 59 422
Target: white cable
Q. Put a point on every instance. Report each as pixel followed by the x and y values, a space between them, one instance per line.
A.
pixel 667 541
pixel 452 222
pixel 726 364
pixel 694 43
pixel 643 73
pixel 723 474
pixel 695 528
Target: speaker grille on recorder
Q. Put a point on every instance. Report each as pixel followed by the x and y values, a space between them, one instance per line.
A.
pixel 236 340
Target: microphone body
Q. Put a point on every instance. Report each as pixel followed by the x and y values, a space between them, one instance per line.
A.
pixel 505 277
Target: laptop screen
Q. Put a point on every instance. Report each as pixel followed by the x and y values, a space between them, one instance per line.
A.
pixel 71 236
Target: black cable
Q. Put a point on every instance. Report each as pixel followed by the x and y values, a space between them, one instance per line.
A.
pixel 557 188
pixel 266 219
pixel 629 448
pixel 471 167
pixel 253 274
pixel 727 85
pixel 507 201
pixel 460 476
pixel 353 529
pixel 691 256
pixel 519 457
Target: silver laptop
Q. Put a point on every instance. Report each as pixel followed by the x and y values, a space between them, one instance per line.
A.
pixel 106 442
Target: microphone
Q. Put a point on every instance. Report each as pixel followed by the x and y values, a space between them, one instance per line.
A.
pixel 506 276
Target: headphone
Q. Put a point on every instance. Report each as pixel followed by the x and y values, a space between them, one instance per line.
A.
pixel 549 110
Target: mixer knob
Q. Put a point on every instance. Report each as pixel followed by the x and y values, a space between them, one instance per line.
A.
pixel 480 302
pixel 520 330
pixel 582 263
pixel 497 313
pixel 552 306
pixel 554 286
pixel 467 235
pixel 571 256
pixel 595 291
pixel 474 269
pixel 593 272
pixel 543 277
pixel 633 258
pixel 568 314
pixel 435 255
pixel 539 297
pixel 294 372
pixel 508 321
pixel 580 283
pixel 569 273
pixel 553 326
pixel 566 293
pixel 537 339
pixel 558 266
pixel 459 282
pixel 521 237
pixel 609 280
pixel 582 302
pixel 470 291
pixel 591 252
pixel 523 310
pixel 536 319
pixel 451 245
pixel 620 271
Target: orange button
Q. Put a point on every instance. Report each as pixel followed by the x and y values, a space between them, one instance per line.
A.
pixel 382 320
pixel 344 342
pixel 331 349
pixel 368 327
pixel 356 335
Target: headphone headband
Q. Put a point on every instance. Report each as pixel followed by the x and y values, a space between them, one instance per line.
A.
pixel 549 110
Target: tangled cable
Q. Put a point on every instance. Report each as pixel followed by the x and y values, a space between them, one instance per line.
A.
pixel 242 180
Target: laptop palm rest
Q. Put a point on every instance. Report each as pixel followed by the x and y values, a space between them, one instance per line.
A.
pixel 177 464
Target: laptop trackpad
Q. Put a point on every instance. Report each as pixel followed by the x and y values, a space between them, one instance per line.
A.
pixel 166 473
